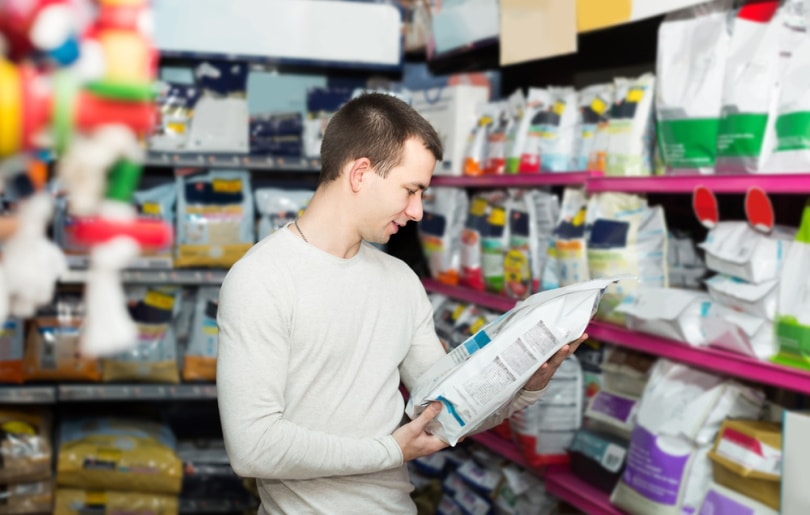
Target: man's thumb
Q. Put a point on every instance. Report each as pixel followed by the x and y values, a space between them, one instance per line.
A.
pixel 430 413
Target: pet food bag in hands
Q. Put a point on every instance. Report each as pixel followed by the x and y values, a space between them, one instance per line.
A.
pixel 481 376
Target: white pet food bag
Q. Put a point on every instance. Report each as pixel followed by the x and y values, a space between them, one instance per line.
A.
pixel 613 413
pixel 739 332
pixel 557 130
pixel 215 216
pixel 445 210
pixel 668 312
pixel 504 133
pixel 524 154
pixel 567 258
pixel 791 152
pixel 200 359
pixel 681 411
pixel 736 249
pixel 594 107
pixel 760 50
pixel 277 208
pixel 547 427
pixel 692 48
pixel 631 129
pixel 625 238
pixel 479 378
pixel 755 299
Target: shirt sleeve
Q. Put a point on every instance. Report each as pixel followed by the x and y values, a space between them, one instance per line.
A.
pixel 425 349
pixel 253 352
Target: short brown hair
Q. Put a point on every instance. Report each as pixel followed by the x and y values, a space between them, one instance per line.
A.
pixel 376 126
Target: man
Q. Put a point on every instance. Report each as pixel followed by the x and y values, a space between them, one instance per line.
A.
pixel 317 328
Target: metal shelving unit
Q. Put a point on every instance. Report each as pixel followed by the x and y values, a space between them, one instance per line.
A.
pixel 135 392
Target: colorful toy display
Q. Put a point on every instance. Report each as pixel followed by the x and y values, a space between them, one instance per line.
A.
pixel 76 83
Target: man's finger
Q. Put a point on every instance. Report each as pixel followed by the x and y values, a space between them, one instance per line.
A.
pixel 428 414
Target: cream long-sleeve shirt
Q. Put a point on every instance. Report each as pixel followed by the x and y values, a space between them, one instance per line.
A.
pixel 312 349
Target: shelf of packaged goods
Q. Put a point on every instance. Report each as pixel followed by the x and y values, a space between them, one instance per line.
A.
pixel 727 363
pixel 156 277
pixel 488 300
pixel 230 160
pixel 579 494
pixel 519 180
pixel 502 447
pixel 27 394
pixel 772 183
pixel 720 361
pixel 135 392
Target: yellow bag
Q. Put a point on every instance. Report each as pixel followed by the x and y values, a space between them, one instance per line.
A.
pixel 71 501
pixel 25 448
pixel 118 454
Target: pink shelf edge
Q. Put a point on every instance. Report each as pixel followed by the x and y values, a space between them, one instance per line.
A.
pixel 503 447
pixel 564 485
pixel 534 179
pixel 727 363
pixel 772 183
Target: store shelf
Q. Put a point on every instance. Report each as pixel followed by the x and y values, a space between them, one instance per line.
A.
pixel 230 160
pixel 579 494
pixel 156 277
pixel 728 363
pixel 135 392
pixel 502 447
pixel 27 395
pixel 784 183
pixel 489 300
pixel 509 181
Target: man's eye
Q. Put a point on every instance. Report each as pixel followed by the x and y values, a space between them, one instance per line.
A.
pixel 411 192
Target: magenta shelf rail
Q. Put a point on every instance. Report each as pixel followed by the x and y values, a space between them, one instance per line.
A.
pixel 707 358
pixel 772 183
pixel 489 300
pixel 579 494
pixel 521 180
pixel 728 363
pixel 503 447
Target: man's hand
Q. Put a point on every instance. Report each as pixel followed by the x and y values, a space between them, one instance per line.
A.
pixel 412 438
pixel 540 379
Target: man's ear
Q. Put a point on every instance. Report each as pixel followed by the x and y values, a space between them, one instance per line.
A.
pixel 359 168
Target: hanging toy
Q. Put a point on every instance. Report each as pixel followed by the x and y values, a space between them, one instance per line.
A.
pixel 31 262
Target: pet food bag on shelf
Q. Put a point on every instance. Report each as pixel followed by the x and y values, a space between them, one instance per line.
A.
pixel 154 358
pixel 692 48
pixel 22 498
pixel 793 305
pixel 118 454
pixel 681 411
pixel 75 501
pixel 736 249
pixel 277 208
pixel 445 211
pixel 631 130
pixel 25 446
pixel 11 351
pixel 479 378
pixel 156 203
pixel 720 500
pixel 668 312
pixel 545 429
pixel 200 359
pixel 594 106
pixel 567 261
pixel 215 225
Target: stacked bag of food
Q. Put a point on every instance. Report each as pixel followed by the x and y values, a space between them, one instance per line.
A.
pixel 111 464
pixel 25 462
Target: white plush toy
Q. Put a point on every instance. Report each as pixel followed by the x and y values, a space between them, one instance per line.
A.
pixel 108 328
pixel 31 262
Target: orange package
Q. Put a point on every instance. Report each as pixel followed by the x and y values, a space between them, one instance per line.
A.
pixel 11 352
pixel 52 352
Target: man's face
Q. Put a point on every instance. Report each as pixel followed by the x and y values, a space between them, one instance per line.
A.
pixel 394 201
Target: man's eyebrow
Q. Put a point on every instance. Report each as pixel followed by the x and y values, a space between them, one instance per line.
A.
pixel 418 185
